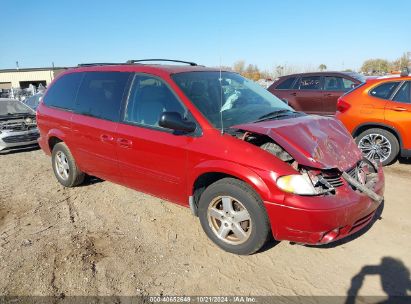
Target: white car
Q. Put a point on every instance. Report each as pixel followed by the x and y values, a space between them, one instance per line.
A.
pixel 18 128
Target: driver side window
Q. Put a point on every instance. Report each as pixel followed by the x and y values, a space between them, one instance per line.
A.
pixel 149 98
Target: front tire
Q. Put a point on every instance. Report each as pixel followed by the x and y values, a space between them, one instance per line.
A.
pixel 233 216
pixel 378 145
pixel 64 166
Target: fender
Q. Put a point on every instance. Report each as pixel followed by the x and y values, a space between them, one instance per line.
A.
pixel 54 133
pixel 221 166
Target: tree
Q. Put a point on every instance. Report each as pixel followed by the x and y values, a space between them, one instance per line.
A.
pixel 376 66
pixel 322 67
pixel 239 66
pixel 400 63
pixel 279 70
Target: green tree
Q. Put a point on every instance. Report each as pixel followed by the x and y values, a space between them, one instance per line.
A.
pixel 376 66
pixel 322 67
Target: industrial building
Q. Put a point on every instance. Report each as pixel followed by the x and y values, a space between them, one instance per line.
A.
pixel 22 78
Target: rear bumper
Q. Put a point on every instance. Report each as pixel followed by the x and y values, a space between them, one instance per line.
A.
pixel 42 141
pixel 312 226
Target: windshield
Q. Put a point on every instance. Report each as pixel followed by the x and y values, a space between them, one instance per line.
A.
pixel 12 107
pixel 232 97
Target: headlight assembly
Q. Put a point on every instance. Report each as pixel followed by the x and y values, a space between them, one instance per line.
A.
pixel 297 183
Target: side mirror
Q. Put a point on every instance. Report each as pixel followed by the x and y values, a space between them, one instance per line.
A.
pixel 174 121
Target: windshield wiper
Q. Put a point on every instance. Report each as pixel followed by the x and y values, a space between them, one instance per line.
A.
pixel 274 114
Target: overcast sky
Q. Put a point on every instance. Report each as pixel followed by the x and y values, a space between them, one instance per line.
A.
pixel 340 34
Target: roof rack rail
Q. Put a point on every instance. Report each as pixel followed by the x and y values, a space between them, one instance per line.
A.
pixel 169 60
pixel 98 63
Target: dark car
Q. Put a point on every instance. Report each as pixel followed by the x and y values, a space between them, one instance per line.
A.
pixel 241 159
pixel 315 93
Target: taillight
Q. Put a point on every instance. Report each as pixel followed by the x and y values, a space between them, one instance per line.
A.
pixel 342 105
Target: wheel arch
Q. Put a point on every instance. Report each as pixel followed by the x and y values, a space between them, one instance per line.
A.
pixel 207 173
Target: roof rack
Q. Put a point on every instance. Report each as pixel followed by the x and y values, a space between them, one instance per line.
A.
pixel 98 63
pixel 168 60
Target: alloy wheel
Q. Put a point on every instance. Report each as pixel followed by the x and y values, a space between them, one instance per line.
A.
pixel 62 166
pixel 375 147
pixel 229 220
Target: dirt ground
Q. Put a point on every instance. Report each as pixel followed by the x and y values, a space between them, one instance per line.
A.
pixel 104 239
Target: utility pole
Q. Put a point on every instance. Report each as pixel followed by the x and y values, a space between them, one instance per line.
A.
pixel 17 65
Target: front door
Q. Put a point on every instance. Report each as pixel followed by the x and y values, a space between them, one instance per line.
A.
pixel 308 97
pixel 398 113
pixel 152 159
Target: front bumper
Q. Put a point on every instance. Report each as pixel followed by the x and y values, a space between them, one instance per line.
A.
pixel 13 140
pixel 298 220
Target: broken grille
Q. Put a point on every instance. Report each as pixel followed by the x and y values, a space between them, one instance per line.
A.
pixel 336 180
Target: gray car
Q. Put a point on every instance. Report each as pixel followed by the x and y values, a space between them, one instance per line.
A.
pixel 18 128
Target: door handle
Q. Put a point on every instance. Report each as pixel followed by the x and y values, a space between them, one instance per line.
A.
pixel 293 94
pixel 106 138
pixel 399 109
pixel 328 94
pixel 124 143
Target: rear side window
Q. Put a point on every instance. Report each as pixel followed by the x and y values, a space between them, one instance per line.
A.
pixel 310 83
pixel 62 93
pixel 348 84
pixel 403 94
pixel 286 84
pixel 101 93
pixel 384 90
pixel 332 83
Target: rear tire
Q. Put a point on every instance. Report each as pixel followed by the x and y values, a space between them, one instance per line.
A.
pixel 64 166
pixel 233 216
pixel 384 142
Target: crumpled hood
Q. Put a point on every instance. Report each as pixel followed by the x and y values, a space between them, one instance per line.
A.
pixel 314 141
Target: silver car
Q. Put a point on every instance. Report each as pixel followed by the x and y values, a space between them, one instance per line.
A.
pixel 18 128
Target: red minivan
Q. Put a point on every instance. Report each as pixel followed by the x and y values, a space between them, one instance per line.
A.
pixel 245 162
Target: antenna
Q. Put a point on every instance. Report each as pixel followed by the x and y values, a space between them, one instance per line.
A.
pixel 221 100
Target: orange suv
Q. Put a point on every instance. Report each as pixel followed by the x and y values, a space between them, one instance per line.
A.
pixel 378 115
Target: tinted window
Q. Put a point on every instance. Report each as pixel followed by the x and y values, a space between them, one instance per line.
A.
pixel 403 94
pixel 286 84
pixel 149 98
pixel 101 93
pixel 62 93
pixel 310 83
pixel 384 90
pixel 332 83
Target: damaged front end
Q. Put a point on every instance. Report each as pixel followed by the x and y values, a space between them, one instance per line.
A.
pixel 332 192
pixel 362 176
